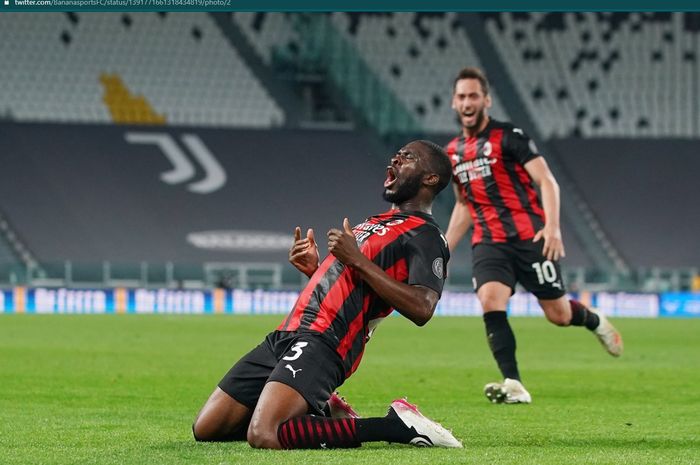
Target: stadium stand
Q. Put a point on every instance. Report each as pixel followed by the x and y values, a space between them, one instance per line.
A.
pixel 15 258
pixel 603 74
pixel 417 55
pixel 82 68
pixel 7 257
pixel 267 33
pixel 426 50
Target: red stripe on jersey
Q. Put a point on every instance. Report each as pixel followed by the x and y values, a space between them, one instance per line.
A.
pixel 398 271
pixel 481 198
pixel 526 181
pixel 345 284
pixel 523 225
pixel 490 213
pixel 355 364
pixel 291 323
pixel 333 301
pixel 470 149
pixel 355 327
pixel 452 150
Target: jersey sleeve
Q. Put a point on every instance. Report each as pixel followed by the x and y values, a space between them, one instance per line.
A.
pixel 427 257
pixel 520 146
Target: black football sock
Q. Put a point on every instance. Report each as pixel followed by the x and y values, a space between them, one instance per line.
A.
pixel 502 343
pixel 582 316
pixel 389 428
pixel 312 432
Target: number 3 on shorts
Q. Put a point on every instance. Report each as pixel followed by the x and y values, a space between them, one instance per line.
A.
pixel 546 272
pixel 297 349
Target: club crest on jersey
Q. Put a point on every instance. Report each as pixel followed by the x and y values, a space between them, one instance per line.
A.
pixel 439 268
pixel 488 148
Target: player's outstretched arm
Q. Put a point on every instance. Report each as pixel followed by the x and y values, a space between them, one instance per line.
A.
pixel 304 252
pixel 460 221
pixel 417 303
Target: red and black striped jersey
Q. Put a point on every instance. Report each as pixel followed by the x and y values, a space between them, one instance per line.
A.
pixel 489 171
pixel 344 309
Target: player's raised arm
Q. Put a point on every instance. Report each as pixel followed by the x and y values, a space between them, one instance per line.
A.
pixel 417 303
pixel 304 252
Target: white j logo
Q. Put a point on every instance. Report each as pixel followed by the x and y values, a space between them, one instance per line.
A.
pixel 183 169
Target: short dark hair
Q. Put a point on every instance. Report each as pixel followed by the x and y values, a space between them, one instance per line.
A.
pixel 471 72
pixel 439 163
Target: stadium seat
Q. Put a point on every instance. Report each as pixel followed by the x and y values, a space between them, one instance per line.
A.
pixel 57 61
pixel 602 74
pixel 416 55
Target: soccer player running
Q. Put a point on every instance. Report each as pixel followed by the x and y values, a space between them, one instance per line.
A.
pixel 275 396
pixel 516 235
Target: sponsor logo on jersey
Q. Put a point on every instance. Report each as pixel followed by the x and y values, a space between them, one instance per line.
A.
pixel 364 230
pixel 474 169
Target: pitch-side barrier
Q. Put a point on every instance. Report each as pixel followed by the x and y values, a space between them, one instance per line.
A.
pixel 21 300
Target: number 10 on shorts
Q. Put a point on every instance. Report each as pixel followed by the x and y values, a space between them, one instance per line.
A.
pixel 546 272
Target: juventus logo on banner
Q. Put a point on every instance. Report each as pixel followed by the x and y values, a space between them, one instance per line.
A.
pixel 183 168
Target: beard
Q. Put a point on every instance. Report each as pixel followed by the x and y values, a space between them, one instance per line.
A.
pixel 404 191
pixel 478 120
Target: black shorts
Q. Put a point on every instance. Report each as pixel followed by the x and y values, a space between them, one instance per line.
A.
pixel 518 262
pixel 302 361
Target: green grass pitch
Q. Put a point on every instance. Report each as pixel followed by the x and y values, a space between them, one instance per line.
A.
pixel 124 389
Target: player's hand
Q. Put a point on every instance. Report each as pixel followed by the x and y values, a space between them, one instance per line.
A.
pixel 304 252
pixel 343 245
pixel 553 245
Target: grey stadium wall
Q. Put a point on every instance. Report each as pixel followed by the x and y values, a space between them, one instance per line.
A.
pixel 646 192
pixel 86 193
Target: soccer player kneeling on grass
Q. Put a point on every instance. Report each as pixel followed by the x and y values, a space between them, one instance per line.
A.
pixel 280 395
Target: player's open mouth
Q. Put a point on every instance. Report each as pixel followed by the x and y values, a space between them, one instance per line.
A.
pixel 469 115
pixel 390 177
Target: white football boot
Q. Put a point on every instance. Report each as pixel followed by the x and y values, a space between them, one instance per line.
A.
pixel 608 335
pixel 510 391
pixel 428 432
